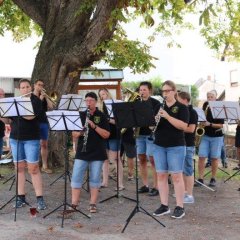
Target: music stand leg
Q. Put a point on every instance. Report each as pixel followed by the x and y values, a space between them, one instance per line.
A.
pixel 236 173
pixel 138 208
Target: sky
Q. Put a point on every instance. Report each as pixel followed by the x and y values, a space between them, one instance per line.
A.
pixel 185 65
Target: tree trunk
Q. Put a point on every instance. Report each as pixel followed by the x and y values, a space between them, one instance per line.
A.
pixel 68 45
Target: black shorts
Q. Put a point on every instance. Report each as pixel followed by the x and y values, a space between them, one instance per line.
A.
pixel 129 149
pixel 237 138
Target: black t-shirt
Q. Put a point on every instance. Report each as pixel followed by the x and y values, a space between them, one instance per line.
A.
pixel 23 129
pixel 96 145
pixel 193 119
pixel 2 129
pixel 155 104
pixel 210 131
pixel 166 134
pixel 43 116
pixel 114 131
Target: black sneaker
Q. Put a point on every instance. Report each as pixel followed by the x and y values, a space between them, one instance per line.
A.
pixel 212 183
pixel 207 165
pixel 178 212
pixel 197 184
pixel 153 192
pixel 41 204
pixel 162 210
pixel 143 189
pixel 20 202
pixel 225 165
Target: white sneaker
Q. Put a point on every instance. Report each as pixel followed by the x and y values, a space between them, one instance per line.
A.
pixel 188 199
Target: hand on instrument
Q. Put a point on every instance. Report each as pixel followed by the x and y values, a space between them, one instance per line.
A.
pixel 206 124
pixel 91 124
pixel 112 121
pixel 42 95
pixel 163 114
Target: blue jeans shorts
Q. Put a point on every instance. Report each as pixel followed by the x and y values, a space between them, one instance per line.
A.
pixel 44 128
pixel 144 145
pixel 188 163
pixel 210 146
pixel 169 159
pixel 79 172
pixel 114 145
pixel 28 150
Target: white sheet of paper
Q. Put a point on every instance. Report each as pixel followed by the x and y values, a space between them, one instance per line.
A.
pixel 70 102
pixel 72 118
pixel 8 108
pixel 109 103
pixel 225 109
pixel 201 114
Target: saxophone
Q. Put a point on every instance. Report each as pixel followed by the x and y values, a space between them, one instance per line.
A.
pixel 86 131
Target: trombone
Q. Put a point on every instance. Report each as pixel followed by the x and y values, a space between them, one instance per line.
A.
pixel 52 97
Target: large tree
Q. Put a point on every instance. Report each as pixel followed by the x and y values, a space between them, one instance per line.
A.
pixel 76 33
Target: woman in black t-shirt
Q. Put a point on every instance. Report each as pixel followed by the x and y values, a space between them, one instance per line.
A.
pixel 170 149
pixel 91 152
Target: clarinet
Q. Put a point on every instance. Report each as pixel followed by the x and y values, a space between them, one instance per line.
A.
pixel 157 121
pixel 86 131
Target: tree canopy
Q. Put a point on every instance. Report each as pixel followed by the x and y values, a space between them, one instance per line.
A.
pixel 78 32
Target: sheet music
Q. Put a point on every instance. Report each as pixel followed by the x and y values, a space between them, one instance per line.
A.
pixel 108 104
pixel 8 108
pixel 72 118
pixel 201 114
pixel 70 102
pixel 225 109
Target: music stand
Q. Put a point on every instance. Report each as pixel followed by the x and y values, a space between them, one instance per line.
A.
pixel 16 107
pixel 65 121
pixel 128 115
pixel 227 110
pixel 69 102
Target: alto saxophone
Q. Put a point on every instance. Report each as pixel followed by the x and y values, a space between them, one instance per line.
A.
pixel 86 131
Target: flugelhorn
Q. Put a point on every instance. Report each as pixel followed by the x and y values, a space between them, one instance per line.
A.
pixel 52 97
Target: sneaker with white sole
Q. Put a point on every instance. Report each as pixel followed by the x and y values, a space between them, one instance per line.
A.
pixel 188 199
pixel 162 210
pixel 178 212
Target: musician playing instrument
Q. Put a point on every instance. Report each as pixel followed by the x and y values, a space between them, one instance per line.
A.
pixel 170 150
pixel 113 143
pixel 95 154
pixel 211 141
pixel 25 146
pixel 47 104
pixel 145 145
pixel 184 98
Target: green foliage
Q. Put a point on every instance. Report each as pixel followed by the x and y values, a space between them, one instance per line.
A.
pixel 14 20
pixel 194 95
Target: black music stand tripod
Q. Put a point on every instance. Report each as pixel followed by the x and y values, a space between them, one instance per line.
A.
pixel 16 107
pixel 65 121
pixel 128 115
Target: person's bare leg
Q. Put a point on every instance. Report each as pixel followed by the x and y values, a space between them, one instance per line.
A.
pixel 143 168
pixel 214 167
pixel 76 192
pixel 178 188
pixel 105 173
pixel 21 177
pixel 154 173
pixel 163 187
pixel 33 169
pixel 188 183
pixel 201 167
pixel 130 162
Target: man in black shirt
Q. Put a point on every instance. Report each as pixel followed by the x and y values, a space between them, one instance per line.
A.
pixel 44 129
pixel 211 141
pixel 93 140
pixel 145 145
pixel 25 145
pixel 184 98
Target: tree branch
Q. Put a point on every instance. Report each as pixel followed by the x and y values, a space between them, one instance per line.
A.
pixel 36 10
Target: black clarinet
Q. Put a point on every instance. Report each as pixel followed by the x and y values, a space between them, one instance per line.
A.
pixel 158 120
pixel 86 131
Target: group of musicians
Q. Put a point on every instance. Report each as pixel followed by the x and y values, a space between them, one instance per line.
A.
pixel 171 151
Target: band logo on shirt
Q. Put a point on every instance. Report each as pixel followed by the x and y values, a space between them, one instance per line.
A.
pixel 175 109
pixel 96 119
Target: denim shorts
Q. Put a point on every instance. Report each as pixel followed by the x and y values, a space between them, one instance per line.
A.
pixel 1 146
pixel 144 145
pixel 169 159
pixel 44 131
pixel 79 172
pixel 114 145
pixel 28 150
pixel 210 146
pixel 188 163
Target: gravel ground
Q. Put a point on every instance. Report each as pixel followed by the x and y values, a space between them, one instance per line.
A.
pixel 215 215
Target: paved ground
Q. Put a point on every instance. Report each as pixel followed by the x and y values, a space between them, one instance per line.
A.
pixel 215 215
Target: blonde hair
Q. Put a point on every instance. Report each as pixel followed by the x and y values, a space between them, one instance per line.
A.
pixel 100 101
